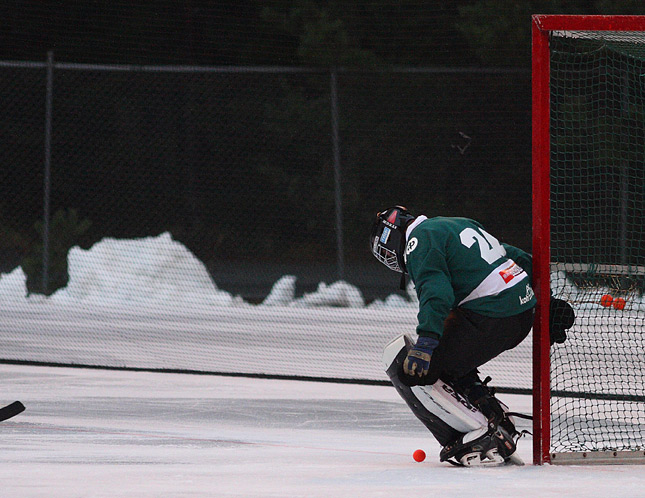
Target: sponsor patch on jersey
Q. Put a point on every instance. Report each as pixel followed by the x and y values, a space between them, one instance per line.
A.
pixel 529 295
pixel 385 235
pixel 511 272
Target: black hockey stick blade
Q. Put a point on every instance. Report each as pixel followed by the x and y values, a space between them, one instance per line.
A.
pixel 11 410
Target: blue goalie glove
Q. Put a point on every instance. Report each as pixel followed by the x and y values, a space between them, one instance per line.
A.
pixel 417 362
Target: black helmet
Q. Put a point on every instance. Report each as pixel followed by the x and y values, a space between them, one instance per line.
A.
pixel 388 237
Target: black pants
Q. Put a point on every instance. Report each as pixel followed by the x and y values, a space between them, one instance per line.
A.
pixel 469 340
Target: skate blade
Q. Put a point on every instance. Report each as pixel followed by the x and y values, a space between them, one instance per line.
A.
pixel 491 459
pixel 476 459
pixel 514 460
pixel 511 460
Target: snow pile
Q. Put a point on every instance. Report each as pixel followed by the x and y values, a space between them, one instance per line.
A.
pixel 13 286
pixel 155 272
pixel 397 301
pixel 161 272
pixel 148 271
pixel 282 293
pixel 339 294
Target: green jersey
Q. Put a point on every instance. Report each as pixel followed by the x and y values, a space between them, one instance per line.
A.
pixel 454 262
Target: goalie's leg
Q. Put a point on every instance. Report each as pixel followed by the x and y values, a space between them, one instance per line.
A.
pixel 445 413
pixel 454 421
pixel 483 397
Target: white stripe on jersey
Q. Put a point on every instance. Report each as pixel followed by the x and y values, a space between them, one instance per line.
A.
pixel 413 225
pixel 501 278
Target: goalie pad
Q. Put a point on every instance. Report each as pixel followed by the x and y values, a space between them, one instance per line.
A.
pixel 442 409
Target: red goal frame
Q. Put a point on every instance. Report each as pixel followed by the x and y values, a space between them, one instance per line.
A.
pixel 542 25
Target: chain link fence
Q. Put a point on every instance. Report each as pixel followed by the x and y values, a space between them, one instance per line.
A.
pixel 260 172
pixel 173 217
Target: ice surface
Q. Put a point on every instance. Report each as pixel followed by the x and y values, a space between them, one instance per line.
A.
pixel 113 433
pixel 97 433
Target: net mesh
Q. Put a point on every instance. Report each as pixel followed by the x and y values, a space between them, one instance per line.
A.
pixel 597 239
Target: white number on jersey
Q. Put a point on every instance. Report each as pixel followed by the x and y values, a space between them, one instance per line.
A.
pixel 489 247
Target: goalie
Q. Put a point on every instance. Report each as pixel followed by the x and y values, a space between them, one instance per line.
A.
pixel 475 302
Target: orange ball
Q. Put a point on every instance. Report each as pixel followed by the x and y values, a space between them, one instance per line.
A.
pixel 619 303
pixel 419 455
pixel 606 300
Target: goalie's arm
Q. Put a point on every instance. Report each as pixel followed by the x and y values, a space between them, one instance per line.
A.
pixel 561 314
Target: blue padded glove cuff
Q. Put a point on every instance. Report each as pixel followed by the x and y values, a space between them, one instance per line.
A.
pixel 426 344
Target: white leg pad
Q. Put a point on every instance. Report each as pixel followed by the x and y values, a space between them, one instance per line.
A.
pixel 443 401
pixel 440 399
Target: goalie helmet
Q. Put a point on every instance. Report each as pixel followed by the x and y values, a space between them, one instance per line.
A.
pixel 388 237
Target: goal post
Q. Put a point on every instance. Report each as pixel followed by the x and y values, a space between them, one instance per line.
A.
pixel 588 147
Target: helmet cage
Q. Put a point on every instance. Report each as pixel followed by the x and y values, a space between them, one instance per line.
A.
pixel 386 256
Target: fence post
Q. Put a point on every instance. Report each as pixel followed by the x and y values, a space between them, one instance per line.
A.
pixel 337 176
pixel 47 184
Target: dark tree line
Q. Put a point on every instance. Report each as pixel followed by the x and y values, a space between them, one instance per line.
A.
pixel 283 32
